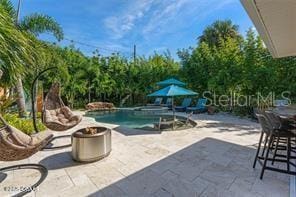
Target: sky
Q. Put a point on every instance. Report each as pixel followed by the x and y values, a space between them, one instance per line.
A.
pixel 151 25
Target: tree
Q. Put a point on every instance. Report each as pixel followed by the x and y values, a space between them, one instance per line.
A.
pixel 35 24
pixel 40 23
pixel 255 71
pixel 16 48
pixel 219 30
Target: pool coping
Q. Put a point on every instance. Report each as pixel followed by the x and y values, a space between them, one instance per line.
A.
pixel 184 115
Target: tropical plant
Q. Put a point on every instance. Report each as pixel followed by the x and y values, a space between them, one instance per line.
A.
pixel 15 49
pixel 213 34
pixel 225 64
pixel 40 23
pixel 25 125
pixel 5 103
pixel 35 24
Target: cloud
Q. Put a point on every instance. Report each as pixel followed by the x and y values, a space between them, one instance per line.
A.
pixel 124 23
pixel 151 17
pixel 173 16
pixel 158 25
pixel 165 13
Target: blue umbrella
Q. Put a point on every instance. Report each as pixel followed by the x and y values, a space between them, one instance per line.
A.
pixel 172 91
pixel 171 81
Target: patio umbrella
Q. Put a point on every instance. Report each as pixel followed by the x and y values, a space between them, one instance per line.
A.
pixel 171 81
pixel 172 91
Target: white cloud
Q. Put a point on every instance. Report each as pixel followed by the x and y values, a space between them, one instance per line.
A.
pixel 166 12
pixel 120 25
pixel 172 16
pixel 163 16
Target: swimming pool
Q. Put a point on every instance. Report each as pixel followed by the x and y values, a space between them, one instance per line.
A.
pixel 141 118
pixel 127 118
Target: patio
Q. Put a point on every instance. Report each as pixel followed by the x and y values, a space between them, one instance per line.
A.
pixel 213 159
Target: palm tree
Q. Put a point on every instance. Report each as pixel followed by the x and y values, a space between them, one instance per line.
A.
pixel 34 24
pixel 15 49
pixel 219 30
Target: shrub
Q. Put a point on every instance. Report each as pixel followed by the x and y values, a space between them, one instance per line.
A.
pixel 5 103
pixel 25 125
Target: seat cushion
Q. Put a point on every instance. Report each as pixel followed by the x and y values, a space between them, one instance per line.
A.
pixel 56 115
pixel 20 138
pixel 67 112
pixel 41 137
pixel 60 119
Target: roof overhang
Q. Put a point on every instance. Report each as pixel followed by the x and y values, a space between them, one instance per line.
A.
pixel 275 21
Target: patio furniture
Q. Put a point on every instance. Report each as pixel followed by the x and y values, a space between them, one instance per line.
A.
pixel 186 103
pixel 169 103
pixel 88 147
pixel 16 145
pixel 165 123
pixel 188 118
pixel 57 116
pixel 157 102
pixel 280 103
pixel 273 134
pixel 172 91
pixel 282 126
pixel 200 106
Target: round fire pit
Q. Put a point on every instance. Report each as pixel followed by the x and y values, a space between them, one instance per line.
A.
pixel 91 144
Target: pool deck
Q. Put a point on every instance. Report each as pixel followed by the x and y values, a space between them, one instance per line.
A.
pixel 213 159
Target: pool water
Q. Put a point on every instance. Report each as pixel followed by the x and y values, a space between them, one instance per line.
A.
pixel 127 118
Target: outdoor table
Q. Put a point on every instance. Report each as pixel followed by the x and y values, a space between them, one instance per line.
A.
pixel 288 113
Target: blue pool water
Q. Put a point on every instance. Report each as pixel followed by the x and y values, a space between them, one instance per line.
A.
pixel 127 118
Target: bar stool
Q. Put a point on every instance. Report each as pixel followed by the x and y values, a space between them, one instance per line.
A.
pixel 273 134
pixel 281 125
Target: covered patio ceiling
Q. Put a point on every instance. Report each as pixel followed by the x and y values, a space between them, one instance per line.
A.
pixel 275 21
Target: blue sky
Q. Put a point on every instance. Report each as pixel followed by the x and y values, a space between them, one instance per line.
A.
pixel 153 25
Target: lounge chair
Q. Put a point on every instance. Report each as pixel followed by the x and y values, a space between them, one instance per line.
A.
pixel 186 103
pixel 169 102
pixel 281 103
pixel 16 145
pixel 165 123
pixel 157 102
pixel 171 123
pixel 200 106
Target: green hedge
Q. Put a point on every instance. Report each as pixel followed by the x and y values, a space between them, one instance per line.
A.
pixel 25 125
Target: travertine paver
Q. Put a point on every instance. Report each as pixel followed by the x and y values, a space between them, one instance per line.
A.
pixel 213 159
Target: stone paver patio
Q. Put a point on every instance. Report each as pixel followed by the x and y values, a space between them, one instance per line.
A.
pixel 213 159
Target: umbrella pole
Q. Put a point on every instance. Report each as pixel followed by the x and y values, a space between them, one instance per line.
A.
pixel 173 108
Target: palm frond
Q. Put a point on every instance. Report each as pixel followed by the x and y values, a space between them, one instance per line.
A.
pixel 39 23
pixel 15 48
pixel 8 6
